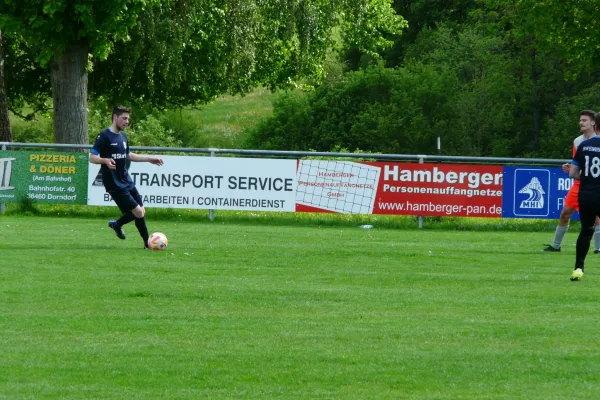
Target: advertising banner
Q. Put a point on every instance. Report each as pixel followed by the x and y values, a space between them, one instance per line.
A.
pixel 218 183
pixel 400 188
pixel 534 192
pixel 336 186
pixel 261 184
pixel 43 177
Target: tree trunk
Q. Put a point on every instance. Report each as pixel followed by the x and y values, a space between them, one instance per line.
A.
pixel 5 133
pixel 536 103
pixel 69 94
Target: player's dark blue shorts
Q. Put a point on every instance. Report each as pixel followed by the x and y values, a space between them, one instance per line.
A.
pixel 126 199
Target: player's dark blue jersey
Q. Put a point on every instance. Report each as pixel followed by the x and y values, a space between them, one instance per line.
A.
pixel 113 145
pixel 587 158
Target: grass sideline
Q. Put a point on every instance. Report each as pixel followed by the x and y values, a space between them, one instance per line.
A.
pixel 234 311
pixel 294 219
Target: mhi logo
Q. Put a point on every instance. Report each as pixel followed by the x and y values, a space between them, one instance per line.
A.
pixel 536 195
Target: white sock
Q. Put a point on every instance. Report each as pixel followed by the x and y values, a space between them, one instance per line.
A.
pixel 559 236
pixel 597 238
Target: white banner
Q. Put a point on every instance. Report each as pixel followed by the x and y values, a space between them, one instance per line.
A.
pixel 217 183
pixel 337 186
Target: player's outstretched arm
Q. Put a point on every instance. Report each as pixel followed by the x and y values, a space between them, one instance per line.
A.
pixel 151 159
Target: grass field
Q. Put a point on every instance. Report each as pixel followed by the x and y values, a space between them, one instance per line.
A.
pixel 233 311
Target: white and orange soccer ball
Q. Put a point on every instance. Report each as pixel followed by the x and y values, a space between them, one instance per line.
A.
pixel 158 241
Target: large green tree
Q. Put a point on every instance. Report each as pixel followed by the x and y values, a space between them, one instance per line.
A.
pixel 5 133
pixel 66 33
pixel 490 77
pixel 516 60
pixel 552 45
pixel 184 51
pixel 191 51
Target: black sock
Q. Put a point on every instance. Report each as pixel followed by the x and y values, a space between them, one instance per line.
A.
pixel 140 223
pixel 583 246
pixel 125 218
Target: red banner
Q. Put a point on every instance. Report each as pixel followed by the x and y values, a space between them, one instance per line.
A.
pixel 439 190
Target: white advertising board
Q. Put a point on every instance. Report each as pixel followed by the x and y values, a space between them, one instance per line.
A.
pixel 337 186
pixel 218 183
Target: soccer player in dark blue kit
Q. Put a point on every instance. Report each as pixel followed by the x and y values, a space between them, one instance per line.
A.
pixel 586 168
pixel 111 151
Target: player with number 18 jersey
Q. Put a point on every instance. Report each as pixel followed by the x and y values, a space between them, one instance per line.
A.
pixel 587 158
pixel 587 127
pixel 572 198
pixel 586 168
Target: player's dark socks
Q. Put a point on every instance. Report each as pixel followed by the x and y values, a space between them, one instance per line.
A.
pixel 140 224
pixel 125 218
pixel 583 246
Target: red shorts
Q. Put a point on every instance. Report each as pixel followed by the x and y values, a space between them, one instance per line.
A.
pixel 572 198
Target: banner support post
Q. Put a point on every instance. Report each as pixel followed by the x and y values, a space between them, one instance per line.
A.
pixel 2 204
pixel 421 161
pixel 211 212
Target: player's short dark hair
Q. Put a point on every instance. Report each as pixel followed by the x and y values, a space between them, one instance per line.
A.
pixel 118 110
pixel 589 113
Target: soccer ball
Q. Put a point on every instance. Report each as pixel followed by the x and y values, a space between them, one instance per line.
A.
pixel 158 241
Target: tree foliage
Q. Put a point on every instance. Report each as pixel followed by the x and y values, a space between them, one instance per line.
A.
pixel 562 127
pixel 64 34
pixel 27 82
pixel 551 45
pixel 504 78
pixel 5 132
pixel 567 27
pixel 55 25
pixel 178 52
pixel 490 77
pixel 426 15
pixel 491 85
pixel 380 110
pixel 189 52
